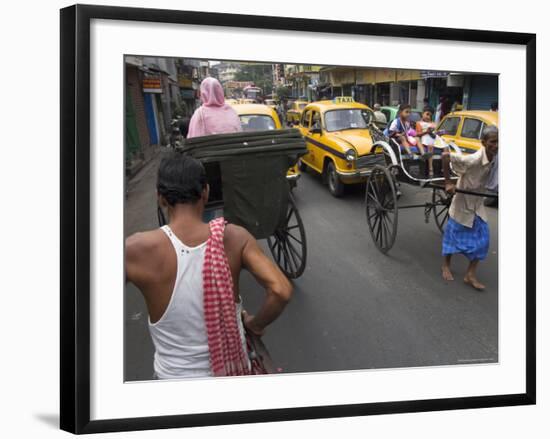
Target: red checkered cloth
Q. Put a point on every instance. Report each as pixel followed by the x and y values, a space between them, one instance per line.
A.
pixel 227 356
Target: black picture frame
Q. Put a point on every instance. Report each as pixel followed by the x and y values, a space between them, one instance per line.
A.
pixel 75 217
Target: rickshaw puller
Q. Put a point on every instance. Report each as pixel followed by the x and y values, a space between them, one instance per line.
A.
pixel 467 231
pixel 188 272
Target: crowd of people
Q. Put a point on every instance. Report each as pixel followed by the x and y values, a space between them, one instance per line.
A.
pixel 188 270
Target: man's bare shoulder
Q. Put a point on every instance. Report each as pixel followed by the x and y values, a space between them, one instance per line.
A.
pixel 236 237
pixel 143 244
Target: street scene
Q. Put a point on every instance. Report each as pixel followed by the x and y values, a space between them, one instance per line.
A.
pixel 387 171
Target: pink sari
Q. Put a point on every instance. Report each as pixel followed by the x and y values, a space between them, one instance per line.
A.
pixel 214 116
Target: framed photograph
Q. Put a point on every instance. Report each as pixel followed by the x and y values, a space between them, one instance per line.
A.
pixel 276 218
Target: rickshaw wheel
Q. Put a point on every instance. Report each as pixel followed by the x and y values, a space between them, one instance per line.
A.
pixel 288 243
pixel 381 208
pixel 441 202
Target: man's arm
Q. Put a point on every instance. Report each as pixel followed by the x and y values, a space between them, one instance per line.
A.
pixel 278 288
pixel 460 162
pixel 137 261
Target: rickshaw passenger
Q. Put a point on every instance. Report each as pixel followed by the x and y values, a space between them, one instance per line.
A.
pixel 467 231
pixel 400 126
pixel 426 136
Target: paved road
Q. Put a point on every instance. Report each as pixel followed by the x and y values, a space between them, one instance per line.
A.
pixel 353 308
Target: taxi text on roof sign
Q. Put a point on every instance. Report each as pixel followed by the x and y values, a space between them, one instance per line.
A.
pixel 342 99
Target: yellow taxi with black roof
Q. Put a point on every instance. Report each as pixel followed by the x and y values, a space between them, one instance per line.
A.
pixel 464 128
pixel 339 142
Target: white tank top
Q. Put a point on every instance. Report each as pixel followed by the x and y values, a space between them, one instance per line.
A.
pixel 179 336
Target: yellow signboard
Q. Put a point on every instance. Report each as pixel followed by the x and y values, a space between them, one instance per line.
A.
pixel 385 75
pixel 407 75
pixel 185 82
pixel 367 76
pixel 341 77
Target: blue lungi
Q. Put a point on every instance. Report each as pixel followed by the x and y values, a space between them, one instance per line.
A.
pixel 472 242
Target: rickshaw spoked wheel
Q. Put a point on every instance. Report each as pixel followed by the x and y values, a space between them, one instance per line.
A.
pixel 441 202
pixel 288 243
pixel 381 208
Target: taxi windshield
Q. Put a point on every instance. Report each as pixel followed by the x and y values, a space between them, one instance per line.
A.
pixel 301 105
pixel 347 119
pixel 257 122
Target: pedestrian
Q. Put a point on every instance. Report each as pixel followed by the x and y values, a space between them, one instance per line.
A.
pixel 457 105
pixel 494 106
pixel 467 231
pixel 379 118
pixel 214 116
pixel 188 272
pixel 442 108
pixel 400 126
pixel 425 128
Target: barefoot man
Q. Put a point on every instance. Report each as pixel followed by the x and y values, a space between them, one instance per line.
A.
pixel 467 231
pixel 188 272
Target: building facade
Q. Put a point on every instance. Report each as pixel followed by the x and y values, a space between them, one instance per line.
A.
pixel 302 80
pixel 396 86
pixel 158 90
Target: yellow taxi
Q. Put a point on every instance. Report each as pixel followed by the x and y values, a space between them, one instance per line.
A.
pixel 339 143
pixel 259 117
pixel 231 101
pixel 294 113
pixel 464 128
pixel 245 101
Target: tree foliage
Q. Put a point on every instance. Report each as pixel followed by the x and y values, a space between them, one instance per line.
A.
pixel 260 74
pixel 283 92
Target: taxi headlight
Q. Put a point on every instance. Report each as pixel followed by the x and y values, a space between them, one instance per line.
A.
pixel 351 155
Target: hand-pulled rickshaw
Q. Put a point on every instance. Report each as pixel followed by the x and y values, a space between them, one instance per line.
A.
pixel 401 167
pixel 246 172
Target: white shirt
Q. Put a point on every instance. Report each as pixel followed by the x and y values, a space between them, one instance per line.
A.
pixel 179 336
pixel 473 175
pixel 380 117
pixel 426 139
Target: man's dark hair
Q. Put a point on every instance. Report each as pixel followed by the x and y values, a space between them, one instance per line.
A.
pixel 404 107
pixel 428 108
pixel 494 106
pixel 180 179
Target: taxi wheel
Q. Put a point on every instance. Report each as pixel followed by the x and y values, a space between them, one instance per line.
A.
pixel 335 185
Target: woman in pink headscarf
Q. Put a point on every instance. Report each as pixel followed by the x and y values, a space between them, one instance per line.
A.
pixel 214 116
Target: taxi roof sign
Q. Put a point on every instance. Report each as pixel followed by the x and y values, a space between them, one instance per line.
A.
pixel 343 99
